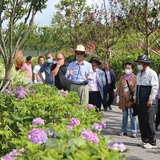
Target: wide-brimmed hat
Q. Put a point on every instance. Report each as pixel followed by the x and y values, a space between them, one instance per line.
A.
pixel 80 48
pixel 95 59
pixel 143 58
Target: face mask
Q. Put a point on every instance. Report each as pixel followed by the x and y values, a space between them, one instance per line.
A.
pixel 140 67
pixel 128 71
pixel 49 60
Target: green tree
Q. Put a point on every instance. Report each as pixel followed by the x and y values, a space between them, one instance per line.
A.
pixel 105 25
pixel 67 22
pixel 12 12
pixel 143 22
pixel 40 39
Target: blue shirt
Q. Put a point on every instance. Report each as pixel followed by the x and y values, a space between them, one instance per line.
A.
pixel 46 68
pixel 78 75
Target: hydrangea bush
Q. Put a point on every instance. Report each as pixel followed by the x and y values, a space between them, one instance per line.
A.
pixel 49 125
pixel 18 77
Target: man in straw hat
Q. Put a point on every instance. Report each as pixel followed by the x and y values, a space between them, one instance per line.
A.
pixel 79 72
pixel 97 84
pixel 146 90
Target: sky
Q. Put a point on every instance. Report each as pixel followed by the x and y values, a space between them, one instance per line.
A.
pixel 44 18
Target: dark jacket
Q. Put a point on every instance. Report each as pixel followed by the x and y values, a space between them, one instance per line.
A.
pixel 113 79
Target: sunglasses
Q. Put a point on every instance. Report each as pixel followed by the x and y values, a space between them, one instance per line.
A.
pixel 79 53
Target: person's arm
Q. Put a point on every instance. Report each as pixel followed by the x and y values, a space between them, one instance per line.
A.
pixel 34 77
pixel 42 69
pixel 35 72
pixel 155 86
pixel 69 72
pixel 55 70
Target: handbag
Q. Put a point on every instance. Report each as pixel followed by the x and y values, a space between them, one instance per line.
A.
pixel 134 105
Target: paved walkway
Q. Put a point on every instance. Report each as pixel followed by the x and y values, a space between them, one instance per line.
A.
pixel 113 121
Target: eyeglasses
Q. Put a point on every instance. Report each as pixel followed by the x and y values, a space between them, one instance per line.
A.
pixel 79 53
pixel 59 59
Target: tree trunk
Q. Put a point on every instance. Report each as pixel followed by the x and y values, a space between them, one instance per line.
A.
pixel 8 76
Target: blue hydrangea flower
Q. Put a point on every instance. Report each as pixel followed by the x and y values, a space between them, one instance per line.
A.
pixel 51 133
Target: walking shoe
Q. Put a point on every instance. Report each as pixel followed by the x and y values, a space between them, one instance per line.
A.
pixel 149 146
pixel 142 144
pixel 133 135
pixel 110 107
pixel 122 134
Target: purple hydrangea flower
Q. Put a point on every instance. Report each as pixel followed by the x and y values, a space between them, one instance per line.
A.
pixel 20 88
pixel 32 91
pixel 89 106
pixel 90 136
pixel 99 126
pixel 69 128
pixel 38 121
pixel 116 145
pixel 7 91
pixel 74 122
pixel 51 133
pixel 64 93
pixel 21 93
pixel 37 136
pixel 11 156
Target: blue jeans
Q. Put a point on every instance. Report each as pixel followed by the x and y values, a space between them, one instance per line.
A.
pixel 125 120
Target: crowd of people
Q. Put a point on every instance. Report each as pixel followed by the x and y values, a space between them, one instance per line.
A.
pixel 98 86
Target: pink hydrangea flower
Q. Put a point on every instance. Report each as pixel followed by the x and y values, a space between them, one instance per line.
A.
pixel 74 122
pixel 90 136
pixel 116 145
pixel 64 93
pixel 38 121
pixel 89 106
pixel 37 136
pixel 69 127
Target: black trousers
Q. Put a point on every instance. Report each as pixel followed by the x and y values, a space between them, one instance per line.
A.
pixel 95 98
pixel 108 96
pixel 158 114
pixel 146 118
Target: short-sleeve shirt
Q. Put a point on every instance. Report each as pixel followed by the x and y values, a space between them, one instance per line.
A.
pixel 36 70
pixel 28 69
pixel 46 68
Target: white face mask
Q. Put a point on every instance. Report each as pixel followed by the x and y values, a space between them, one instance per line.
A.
pixel 140 67
pixel 128 71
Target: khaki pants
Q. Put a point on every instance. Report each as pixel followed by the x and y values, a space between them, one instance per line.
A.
pixel 83 92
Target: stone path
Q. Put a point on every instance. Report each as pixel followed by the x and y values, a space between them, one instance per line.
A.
pixel 113 121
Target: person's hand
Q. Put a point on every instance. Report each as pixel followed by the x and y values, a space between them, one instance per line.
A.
pixel 70 72
pixel 60 63
pixel 87 76
pixel 134 101
pixel 149 103
pixel 44 81
pixel 156 97
pixel 35 81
